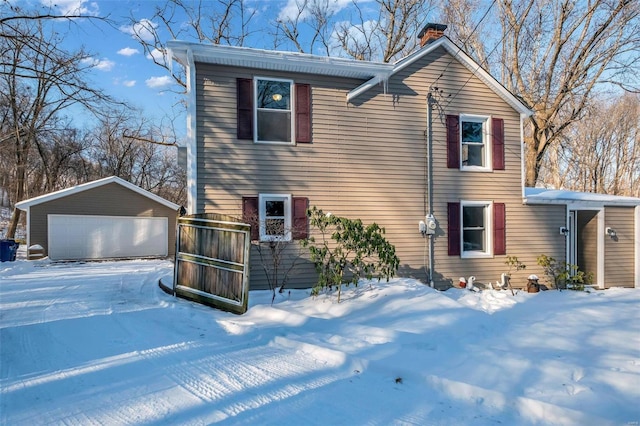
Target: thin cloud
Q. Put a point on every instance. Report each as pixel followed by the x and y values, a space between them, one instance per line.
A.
pixel 129 83
pixel 73 7
pixel 105 65
pixel 99 64
pixel 143 29
pixel 128 51
pixel 157 55
pixel 291 11
pixel 159 82
pixel 356 35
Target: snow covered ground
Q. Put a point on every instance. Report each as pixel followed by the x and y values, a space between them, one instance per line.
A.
pixel 100 343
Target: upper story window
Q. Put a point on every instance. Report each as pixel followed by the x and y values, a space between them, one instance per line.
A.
pixel 273 110
pixel 474 141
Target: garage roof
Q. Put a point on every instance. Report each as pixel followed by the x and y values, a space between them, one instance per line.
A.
pixel 24 205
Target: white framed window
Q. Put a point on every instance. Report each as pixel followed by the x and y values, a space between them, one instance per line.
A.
pixel 275 217
pixel 474 142
pixel 273 121
pixel 477 234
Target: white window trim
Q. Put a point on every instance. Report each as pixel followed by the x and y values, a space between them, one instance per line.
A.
pixel 486 137
pixel 262 199
pixel 488 253
pixel 291 110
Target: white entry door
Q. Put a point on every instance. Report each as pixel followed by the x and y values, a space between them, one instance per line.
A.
pixel 100 237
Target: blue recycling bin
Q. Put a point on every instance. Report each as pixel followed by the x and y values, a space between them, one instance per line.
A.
pixel 8 250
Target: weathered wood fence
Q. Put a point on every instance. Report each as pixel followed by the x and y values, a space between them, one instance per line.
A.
pixel 212 261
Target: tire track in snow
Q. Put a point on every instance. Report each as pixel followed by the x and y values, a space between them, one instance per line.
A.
pixel 275 371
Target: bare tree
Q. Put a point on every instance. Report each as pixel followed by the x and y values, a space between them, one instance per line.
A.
pixel 59 162
pixel 311 17
pixel 279 257
pixel 16 22
pixel 215 22
pixel 555 55
pixel 356 36
pixel 37 83
pixel 466 29
pixel 601 152
pixel 383 36
pixel 131 147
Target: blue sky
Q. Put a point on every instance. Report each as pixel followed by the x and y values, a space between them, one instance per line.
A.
pixel 120 66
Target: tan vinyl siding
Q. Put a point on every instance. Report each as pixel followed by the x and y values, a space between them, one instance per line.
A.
pixel 619 251
pixel 108 200
pixel 367 161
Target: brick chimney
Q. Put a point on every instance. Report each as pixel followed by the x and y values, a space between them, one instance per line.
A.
pixel 430 33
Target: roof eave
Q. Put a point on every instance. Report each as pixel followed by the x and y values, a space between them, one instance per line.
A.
pixel 574 198
pixel 567 202
pixel 466 60
pixel 277 60
pixel 26 204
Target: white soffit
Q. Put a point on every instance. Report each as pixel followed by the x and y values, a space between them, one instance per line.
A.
pixel 277 61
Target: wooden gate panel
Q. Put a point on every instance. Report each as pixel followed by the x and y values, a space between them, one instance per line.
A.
pixel 212 261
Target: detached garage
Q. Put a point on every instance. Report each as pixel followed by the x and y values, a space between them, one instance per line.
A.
pixel 106 218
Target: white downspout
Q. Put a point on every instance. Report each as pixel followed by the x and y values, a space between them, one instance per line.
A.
pixel 522 163
pixel 192 154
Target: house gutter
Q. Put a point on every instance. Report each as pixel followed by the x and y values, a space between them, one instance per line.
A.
pixel 382 78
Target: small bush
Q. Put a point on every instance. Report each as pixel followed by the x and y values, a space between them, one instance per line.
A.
pixel 563 274
pixel 513 263
pixel 347 246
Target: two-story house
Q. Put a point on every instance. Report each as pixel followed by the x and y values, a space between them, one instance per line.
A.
pixel 430 148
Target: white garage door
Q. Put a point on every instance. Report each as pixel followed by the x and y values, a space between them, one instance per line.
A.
pixel 99 237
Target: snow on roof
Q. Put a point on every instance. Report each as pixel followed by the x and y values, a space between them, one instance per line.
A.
pixel 560 196
pixel 24 205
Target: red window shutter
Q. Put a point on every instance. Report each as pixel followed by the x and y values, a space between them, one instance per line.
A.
pixel 453 219
pixel 303 113
pixel 497 129
pixel 453 141
pixel 245 108
pixel 300 220
pixel 251 215
pixel 499 229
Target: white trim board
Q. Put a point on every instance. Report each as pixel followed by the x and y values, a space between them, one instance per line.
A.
pixel 24 205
